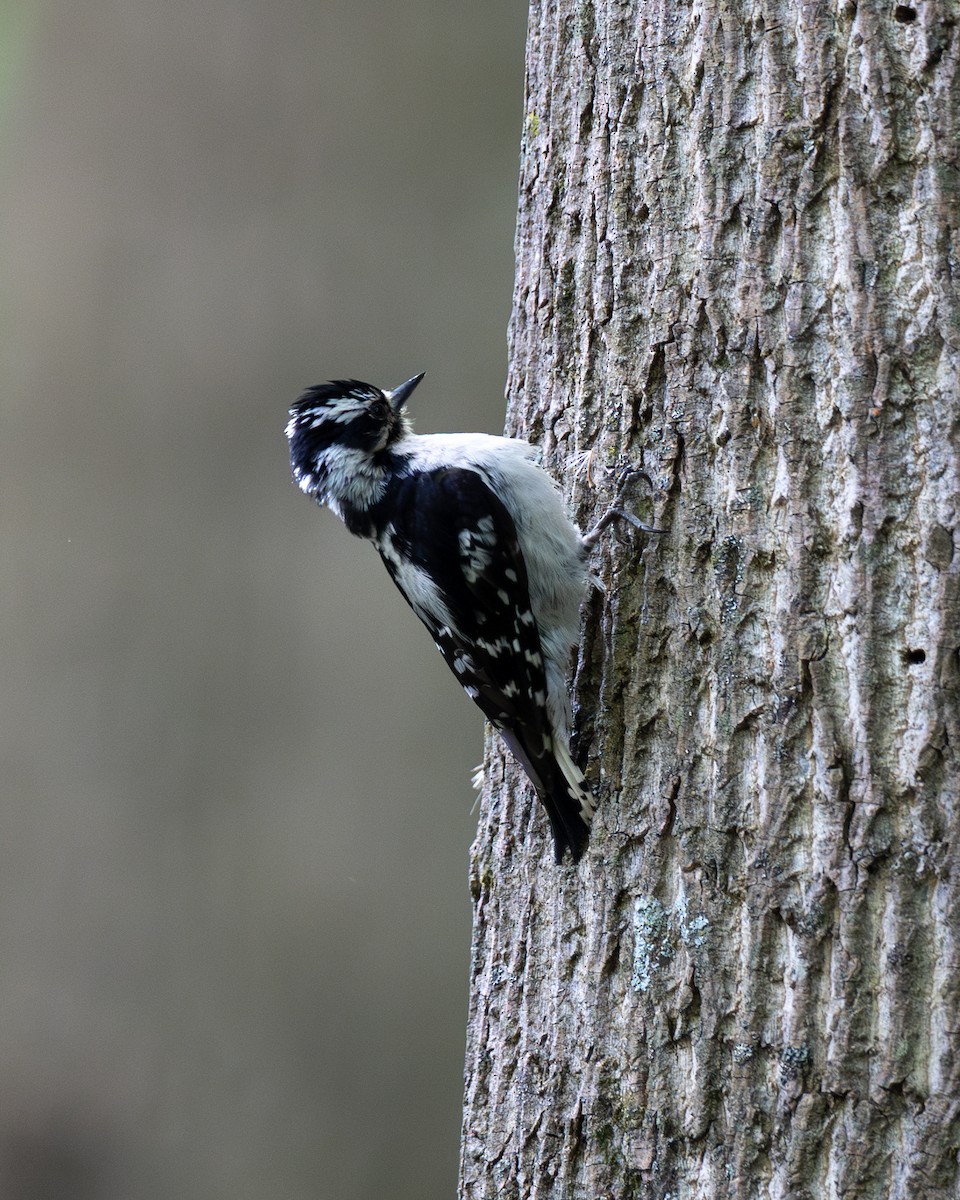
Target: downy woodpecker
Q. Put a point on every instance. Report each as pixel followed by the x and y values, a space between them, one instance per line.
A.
pixel 474 534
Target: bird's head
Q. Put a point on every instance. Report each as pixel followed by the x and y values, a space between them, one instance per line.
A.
pixel 336 431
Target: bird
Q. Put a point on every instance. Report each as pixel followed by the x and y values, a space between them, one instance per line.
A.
pixel 474 534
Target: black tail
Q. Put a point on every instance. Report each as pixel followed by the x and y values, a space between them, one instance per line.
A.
pixel 570 831
pixel 562 791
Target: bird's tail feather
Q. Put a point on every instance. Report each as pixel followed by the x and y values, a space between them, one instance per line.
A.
pixel 562 790
pixel 570 806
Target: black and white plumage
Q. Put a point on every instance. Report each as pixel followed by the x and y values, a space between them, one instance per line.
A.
pixel 474 535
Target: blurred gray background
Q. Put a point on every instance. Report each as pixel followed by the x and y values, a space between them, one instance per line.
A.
pixel 235 818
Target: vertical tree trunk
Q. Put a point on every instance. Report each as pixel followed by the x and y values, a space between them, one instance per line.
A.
pixel 737 264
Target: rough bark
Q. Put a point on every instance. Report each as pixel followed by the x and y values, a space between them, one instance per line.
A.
pixel 737 256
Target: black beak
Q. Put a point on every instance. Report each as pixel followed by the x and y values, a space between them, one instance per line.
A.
pixel 399 396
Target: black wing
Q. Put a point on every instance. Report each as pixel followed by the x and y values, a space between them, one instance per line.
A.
pixel 452 548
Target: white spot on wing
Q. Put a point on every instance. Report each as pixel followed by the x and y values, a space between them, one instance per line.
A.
pixel 475 557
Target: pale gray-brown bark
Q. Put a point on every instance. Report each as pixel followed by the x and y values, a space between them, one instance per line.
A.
pixel 737 265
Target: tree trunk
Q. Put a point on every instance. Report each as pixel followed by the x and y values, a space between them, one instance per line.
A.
pixel 736 263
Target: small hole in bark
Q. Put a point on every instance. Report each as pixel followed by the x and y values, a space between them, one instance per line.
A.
pixel 914 657
pixel 905 13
